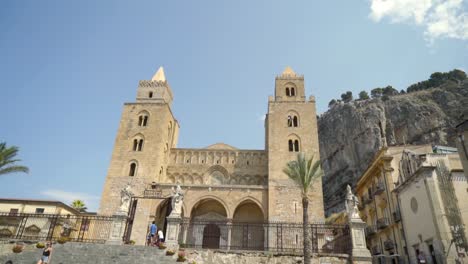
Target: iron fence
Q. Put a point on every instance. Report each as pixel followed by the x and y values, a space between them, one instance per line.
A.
pixel 272 237
pixel 79 228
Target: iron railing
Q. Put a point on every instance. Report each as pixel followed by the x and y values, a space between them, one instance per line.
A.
pixel 370 230
pixel 379 188
pixel 272 237
pixel 389 244
pixel 80 228
pixel 397 216
pixel 383 222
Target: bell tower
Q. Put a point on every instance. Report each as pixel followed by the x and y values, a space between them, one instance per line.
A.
pixel 147 132
pixel 291 127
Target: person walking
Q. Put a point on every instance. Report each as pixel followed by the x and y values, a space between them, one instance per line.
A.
pixel 46 254
pixel 160 237
pixel 153 229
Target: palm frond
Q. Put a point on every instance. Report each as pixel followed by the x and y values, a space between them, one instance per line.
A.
pixel 7 161
pixel 304 171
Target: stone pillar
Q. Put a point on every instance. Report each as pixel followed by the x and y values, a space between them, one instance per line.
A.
pixel 229 228
pixel 172 231
pixel 359 253
pixel 117 229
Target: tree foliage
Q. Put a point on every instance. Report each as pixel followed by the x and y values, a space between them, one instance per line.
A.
pixel 304 172
pixel 363 95
pixel 8 161
pixel 347 97
pixel 331 103
pixel 437 79
pixel 376 92
pixel 79 205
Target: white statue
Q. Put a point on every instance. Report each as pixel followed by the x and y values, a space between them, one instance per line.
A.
pixel 125 197
pixel 351 204
pixel 176 201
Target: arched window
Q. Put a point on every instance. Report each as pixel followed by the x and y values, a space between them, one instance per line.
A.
pixel 145 120
pixel 293 121
pixel 140 144
pixel 293 92
pixel 140 120
pixel 287 91
pixel 293 145
pixel 133 168
pixel 296 145
pixel 135 144
pixel 150 94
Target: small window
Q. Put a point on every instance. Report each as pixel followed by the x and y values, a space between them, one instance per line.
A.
pixel 140 120
pixel 287 91
pixel 150 95
pixel 293 145
pixel 293 92
pixel 140 144
pixel 135 144
pixel 295 123
pixel 39 210
pixel 145 120
pixel 133 168
pixel 290 121
pixel 248 163
pixel 296 145
pixel 13 211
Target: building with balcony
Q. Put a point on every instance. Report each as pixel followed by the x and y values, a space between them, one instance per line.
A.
pixel 433 194
pixel 379 205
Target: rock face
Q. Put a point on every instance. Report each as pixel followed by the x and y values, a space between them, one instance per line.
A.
pixel 351 133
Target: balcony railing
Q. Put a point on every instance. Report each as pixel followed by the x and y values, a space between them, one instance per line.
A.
pixel 375 250
pixel 366 199
pixel 389 244
pixel 383 223
pixel 370 230
pixel 397 216
pixel 379 188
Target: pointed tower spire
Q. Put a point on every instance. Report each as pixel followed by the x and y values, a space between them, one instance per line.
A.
pixel 159 75
pixel 288 72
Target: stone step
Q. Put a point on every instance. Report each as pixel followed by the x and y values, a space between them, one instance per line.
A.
pixel 81 253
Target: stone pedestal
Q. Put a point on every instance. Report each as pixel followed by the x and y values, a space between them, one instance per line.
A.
pixel 117 229
pixel 172 231
pixel 360 253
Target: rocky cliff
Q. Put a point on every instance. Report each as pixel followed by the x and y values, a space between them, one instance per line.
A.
pixel 351 133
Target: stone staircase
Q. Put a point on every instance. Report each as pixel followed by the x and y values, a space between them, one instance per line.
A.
pixel 82 253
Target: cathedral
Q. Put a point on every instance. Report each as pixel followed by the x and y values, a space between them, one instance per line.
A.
pixel 219 182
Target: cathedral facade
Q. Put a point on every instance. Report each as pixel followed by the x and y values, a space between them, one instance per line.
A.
pixel 220 182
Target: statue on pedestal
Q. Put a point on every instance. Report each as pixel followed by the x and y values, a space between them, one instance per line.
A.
pixel 176 201
pixel 125 197
pixel 352 204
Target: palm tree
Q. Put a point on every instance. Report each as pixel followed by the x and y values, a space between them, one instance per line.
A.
pixel 79 205
pixel 7 161
pixel 304 172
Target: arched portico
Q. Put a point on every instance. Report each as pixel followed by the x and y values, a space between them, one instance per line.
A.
pixel 247 230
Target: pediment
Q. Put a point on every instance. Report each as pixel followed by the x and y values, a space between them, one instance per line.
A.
pixel 221 146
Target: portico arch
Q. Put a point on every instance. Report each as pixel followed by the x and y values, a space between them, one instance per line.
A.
pixel 247 226
pixel 209 208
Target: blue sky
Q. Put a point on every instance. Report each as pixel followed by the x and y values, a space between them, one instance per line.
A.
pixel 67 67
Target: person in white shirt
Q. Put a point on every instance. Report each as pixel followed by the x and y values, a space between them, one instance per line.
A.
pixel 160 236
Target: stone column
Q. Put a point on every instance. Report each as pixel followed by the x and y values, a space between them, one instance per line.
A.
pixel 360 253
pixel 229 228
pixel 172 231
pixel 117 229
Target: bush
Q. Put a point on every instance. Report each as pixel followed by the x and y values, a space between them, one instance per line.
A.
pixel 181 256
pixel 17 248
pixel 170 252
pixel 63 240
pixel 40 245
pixel 162 246
pixel 131 242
